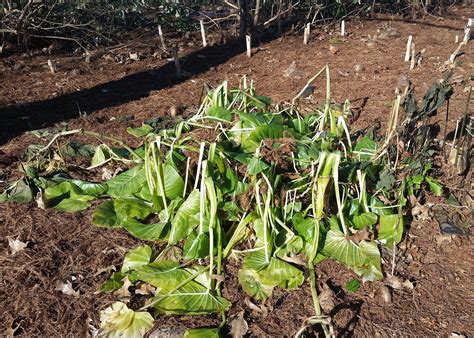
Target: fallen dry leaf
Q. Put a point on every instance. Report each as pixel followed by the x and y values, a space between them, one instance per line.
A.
pixel 66 288
pixel 238 325
pixel 327 300
pixel 123 292
pixel 16 245
pixel 145 289
pixel 107 269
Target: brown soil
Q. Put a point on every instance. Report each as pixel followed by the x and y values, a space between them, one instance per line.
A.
pixel 107 96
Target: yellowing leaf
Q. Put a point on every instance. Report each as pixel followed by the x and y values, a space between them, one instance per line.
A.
pixel 120 321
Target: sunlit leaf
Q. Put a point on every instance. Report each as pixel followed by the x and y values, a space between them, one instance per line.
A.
pixel 120 321
pixel 186 218
pixel 365 148
pixel 253 286
pixel 104 215
pixel 203 333
pixel 127 183
pixel 281 273
pixel 391 229
pixel 137 258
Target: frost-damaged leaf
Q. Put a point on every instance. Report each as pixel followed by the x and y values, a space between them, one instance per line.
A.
pixel 186 218
pixel 203 333
pixel 66 288
pixel 120 321
pixel 18 191
pixel 16 245
pixel 137 258
pixel 123 293
pixel 281 273
pixel 391 229
pixel 127 183
pixel 253 286
pixel 238 326
pixel 372 268
pixel 365 148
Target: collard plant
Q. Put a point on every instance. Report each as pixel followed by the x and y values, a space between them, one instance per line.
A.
pixel 274 188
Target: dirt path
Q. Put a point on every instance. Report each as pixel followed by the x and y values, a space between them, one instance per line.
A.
pixel 366 67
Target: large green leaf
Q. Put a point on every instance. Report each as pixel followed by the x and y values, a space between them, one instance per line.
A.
pixel 66 196
pixel 372 268
pixel 256 260
pixel 220 113
pixel 90 188
pixel 253 286
pixel 391 229
pixel 186 218
pixel 104 215
pixel 196 246
pixel 163 274
pixel 148 232
pixel 120 321
pixel 366 219
pixel 343 250
pixel 127 208
pixel 281 273
pixel 144 130
pixel 174 183
pixel 256 166
pixel 127 183
pixel 137 258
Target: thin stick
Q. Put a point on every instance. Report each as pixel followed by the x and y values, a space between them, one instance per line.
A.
pixel 413 61
pixel 203 33
pixel 52 69
pixel 306 34
pixel 456 39
pixel 248 41
pixel 176 62
pixel 160 32
pixel 408 51
pixel 343 28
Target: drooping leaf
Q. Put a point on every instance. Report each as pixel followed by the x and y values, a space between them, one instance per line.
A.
pixel 120 321
pixel 366 219
pixel 145 231
pixel 196 246
pixel 371 270
pixel 114 283
pixel 186 218
pixel 18 191
pixel 66 196
pixel 104 215
pixel 253 286
pixel 365 148
pixel 391 229
pixel 221 113
pixel 256 260
pixel 341 249
pixel 127 183
pixel 137 258
pixel 90 188
pixel 281 273
pixel 127 208
pixel 101 156
pixel 144 130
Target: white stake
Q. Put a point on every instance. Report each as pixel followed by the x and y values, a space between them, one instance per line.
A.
pixel 203 33
pixel 306 34
pixel 176 62
pixel 343 28
pixel 248 42
pixel 408 51
pixel 467 31
pixel 160 32
pixel 51 66
pixel 413 57
pixel 456 39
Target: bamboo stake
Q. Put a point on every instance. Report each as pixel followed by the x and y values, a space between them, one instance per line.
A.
pixel 407 53
pixel 52 69
pixel 343 28
pixel 176 62
pixel 456 40
pixel 248 42
pixel 413 57
pixel 306 33
pixel 160 32
pixel 203 33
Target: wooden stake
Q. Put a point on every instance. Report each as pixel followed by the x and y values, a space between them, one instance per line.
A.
pixel 52 69
pixel 456 39
pixel 407 53
pixel 160 32
pixel 248 42
pixel 413 57
pixel 203 33
pixel 467 31
pixel 306 33
pixel 176 62
pixel 343 28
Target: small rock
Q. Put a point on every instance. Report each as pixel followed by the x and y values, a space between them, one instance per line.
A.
pixel 359 68
pixel 386 294
pixel 327 300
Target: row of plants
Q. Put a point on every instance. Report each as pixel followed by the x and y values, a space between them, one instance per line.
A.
pixel 274 188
